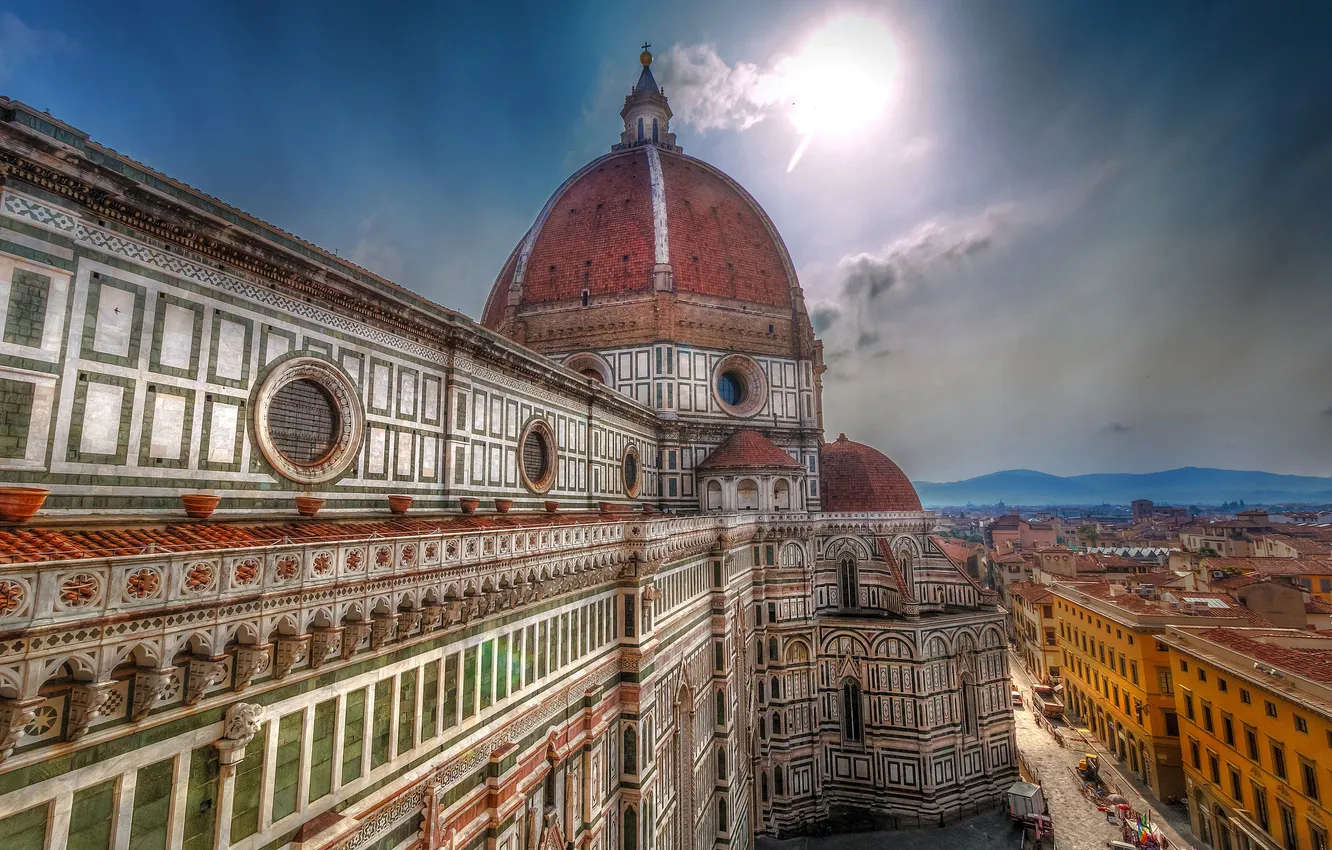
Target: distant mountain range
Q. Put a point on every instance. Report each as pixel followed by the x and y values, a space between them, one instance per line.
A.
pixel 1189 485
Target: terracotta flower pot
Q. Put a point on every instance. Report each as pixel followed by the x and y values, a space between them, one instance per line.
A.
pixel 308 505
pixel 399 504
pixel 199 505
pixel 21 503
pixel 551 507
pixel 468 504
pixel 503 505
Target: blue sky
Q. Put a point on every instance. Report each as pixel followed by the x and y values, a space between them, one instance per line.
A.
pixel 1080 237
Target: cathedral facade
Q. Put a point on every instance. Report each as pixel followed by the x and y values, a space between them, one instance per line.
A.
pixel 582 574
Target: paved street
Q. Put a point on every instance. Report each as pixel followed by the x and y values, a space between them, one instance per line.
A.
pixel 1078 824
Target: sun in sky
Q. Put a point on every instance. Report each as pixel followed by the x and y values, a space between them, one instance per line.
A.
pixel 841 81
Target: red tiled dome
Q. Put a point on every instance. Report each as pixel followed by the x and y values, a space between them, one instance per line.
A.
pixel 856 477
pixel 748 449
pixel 603 233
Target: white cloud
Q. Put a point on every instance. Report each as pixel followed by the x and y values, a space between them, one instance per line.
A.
pixel 712 95
pixel 20 44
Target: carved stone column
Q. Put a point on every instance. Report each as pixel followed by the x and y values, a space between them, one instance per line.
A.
pixel 382 630
pixel 291 650
pixel 86 701
pixel 149 688
pixel 323 644
pixel 15 715
pixel 251 661
pixel 200 673
pixel 238 730
pixel 352 637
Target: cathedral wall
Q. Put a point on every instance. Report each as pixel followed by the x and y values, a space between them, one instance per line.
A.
pixel 131 373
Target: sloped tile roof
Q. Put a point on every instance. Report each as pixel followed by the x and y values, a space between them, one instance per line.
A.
pixel 748 449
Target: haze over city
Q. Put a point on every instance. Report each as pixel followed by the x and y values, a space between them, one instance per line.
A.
pixel 1072 237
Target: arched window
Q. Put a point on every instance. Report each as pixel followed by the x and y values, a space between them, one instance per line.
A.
pixel 630 829
pixel 907 562
pixel 654 130
pixel 721 764
pixel 714 496
pixel 848 582
pixel 721 708
pixel 763 786
pixel 776 723
pixel 762 691
pixel 776 688
pixel 778 781
pixel 852 730
pixel 640 129
pixel 772 649
pixel 781 495
pixel 763 728
pixel 721 804
pixel 970 716
pixel 747 495
pixel 630 750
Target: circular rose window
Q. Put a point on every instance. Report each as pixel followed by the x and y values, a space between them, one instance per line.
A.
pixel 631 472
pixel 308 420
pixel 537 460
pixel 739 385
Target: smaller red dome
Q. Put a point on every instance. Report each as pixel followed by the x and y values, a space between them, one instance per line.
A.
pixel 859 478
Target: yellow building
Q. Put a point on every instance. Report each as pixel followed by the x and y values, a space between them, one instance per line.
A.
pixel 1032 610
pixel 1255 708
pixel 1117 673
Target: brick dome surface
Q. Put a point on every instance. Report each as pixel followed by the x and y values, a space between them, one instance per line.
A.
pixel 603 232
pixel 855 477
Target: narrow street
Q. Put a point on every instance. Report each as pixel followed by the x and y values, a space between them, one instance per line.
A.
pixel 1077 823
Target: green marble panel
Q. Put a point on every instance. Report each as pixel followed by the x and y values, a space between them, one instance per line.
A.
pixel 152 805
pixel 380 730
pixel 247 796
pixel 321 749
pixel 406 711
pixel 451 690
pixel 287 769
pixel 353 736
pixel 27 829
pixel 201 799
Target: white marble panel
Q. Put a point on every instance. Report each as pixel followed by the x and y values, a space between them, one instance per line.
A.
pixel 428 449
pixel 352 364
pixel 230 350
pixel 277 346
pixel 115 321
pixel 431 409
pixel 379 386
pixel 222 433
pixel 377 439
pixel 101 419
pixel 177 337
pixel 168 426
pixel 404 456
pixel 406 393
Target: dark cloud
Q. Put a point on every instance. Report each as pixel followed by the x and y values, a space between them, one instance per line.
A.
pixel 1118 428
pixel 823 316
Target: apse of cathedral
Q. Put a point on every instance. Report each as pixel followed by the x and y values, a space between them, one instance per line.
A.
pixel 583 574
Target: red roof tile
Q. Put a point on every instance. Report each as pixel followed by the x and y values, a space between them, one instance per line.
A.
pixel 855 477
pixel 35 544
pixel 747 449
pixel 1300 652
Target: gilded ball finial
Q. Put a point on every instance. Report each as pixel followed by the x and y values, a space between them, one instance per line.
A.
pixel 645 57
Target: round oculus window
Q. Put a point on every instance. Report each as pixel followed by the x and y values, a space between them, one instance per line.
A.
pixel 731 388
pixel 304 422
pixel 537 455
pixel 308 420
pixel 739 385
pixel 631 472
